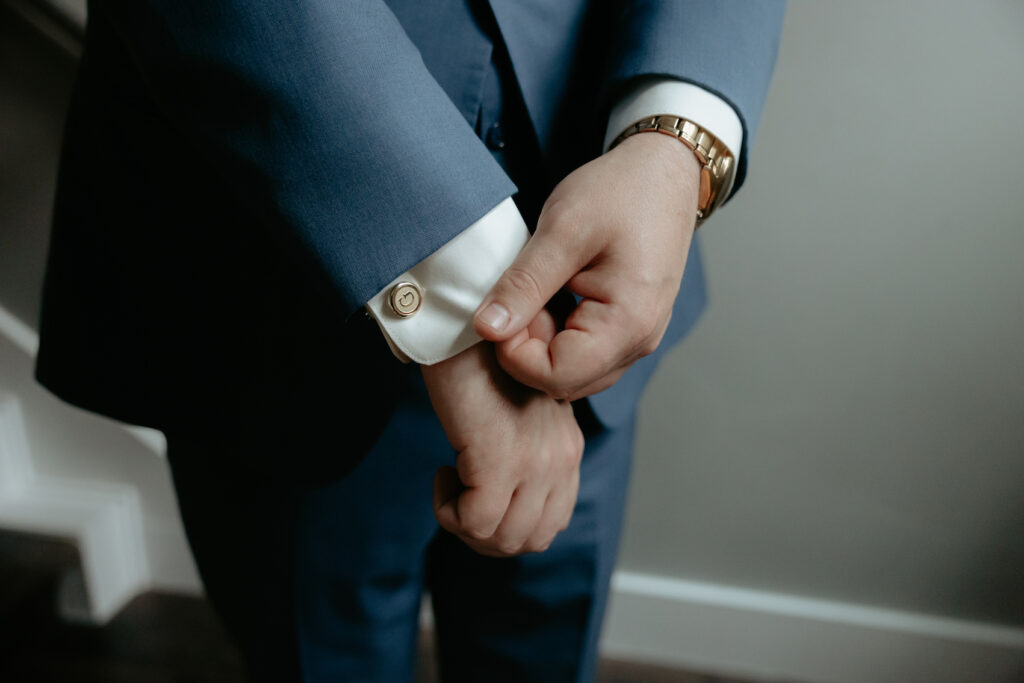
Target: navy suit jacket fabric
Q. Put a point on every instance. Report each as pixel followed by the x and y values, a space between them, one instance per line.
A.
pixel 239 178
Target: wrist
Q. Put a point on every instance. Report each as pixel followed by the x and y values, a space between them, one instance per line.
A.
pixel 667 154
pixel 717 163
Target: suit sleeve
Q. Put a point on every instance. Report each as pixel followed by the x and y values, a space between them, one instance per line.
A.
pixel 456 277
pixel 727 47
pixel 323 117
pixel 652 73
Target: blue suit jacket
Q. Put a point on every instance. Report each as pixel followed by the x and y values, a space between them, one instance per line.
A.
pixel 239 178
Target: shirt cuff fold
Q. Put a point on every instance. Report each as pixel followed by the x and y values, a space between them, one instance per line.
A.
pixel 677 98
pixel 452 281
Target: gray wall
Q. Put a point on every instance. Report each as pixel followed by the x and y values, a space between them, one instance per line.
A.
pixel 848 420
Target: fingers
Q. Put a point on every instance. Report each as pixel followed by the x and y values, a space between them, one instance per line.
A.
pixel 556 516
pixel 500 529
pixel 599 342
pixel 542 361
pixel 599 385
pixel 499 523
pixel 446 496
pixel 543 327
pixel 531 523
pixel 520 521
pixel 540 270
pixel 471 512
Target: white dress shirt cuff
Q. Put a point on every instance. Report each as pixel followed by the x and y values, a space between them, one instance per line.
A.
pixel 678 98
pixel 453 281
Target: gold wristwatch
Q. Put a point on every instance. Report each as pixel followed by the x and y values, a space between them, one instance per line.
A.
pixel 718 167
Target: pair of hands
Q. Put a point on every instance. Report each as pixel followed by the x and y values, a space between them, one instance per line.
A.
pixel 615 232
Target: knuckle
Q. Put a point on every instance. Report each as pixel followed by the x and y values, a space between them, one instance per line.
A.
pixel 471 470
pixel 563 384
pixel 573 446
pixel 645 326
pixel 523 282
pixel 539 465
pixel 536 546
pixel 558 454
pixel 508 547
pixel 649 346
pixel 480 523
pixel 572 458
pixel 557 390
pixel 557 212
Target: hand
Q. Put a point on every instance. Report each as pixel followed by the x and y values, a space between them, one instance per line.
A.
pixel 616 232
pixel 517 470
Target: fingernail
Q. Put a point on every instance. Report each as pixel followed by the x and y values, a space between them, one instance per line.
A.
pixel 495 316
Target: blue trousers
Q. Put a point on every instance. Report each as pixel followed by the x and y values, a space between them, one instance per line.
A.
pixel 325 583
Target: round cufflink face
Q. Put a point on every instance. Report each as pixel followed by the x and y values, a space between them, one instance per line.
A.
pixel 405 299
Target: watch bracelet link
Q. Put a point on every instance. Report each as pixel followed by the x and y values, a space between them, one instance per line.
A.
pixel 718 167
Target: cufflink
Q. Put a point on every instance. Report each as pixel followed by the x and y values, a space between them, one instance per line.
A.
pixel 405 299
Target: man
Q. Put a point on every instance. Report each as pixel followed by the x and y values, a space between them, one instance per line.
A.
pixel 240 181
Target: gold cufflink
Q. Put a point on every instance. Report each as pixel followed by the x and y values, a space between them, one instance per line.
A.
pixel 405 299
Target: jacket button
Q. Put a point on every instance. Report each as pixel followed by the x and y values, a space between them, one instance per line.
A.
pixel 405 299
pixel 495 137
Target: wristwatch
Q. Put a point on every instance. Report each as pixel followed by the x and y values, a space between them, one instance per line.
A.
pixel 718 167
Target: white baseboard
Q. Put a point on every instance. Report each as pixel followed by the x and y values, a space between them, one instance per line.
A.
pixel 776 637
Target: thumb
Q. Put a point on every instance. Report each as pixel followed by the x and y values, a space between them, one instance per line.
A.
pixel 540 270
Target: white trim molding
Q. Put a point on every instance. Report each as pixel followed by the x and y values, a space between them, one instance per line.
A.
pixel 27 339
pixel 20 334
pixel 103 519
pixel 773 636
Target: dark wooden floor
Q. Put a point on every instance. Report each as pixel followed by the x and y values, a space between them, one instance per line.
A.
pixel 157 638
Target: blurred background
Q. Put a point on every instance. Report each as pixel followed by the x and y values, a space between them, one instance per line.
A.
pixel 829 475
